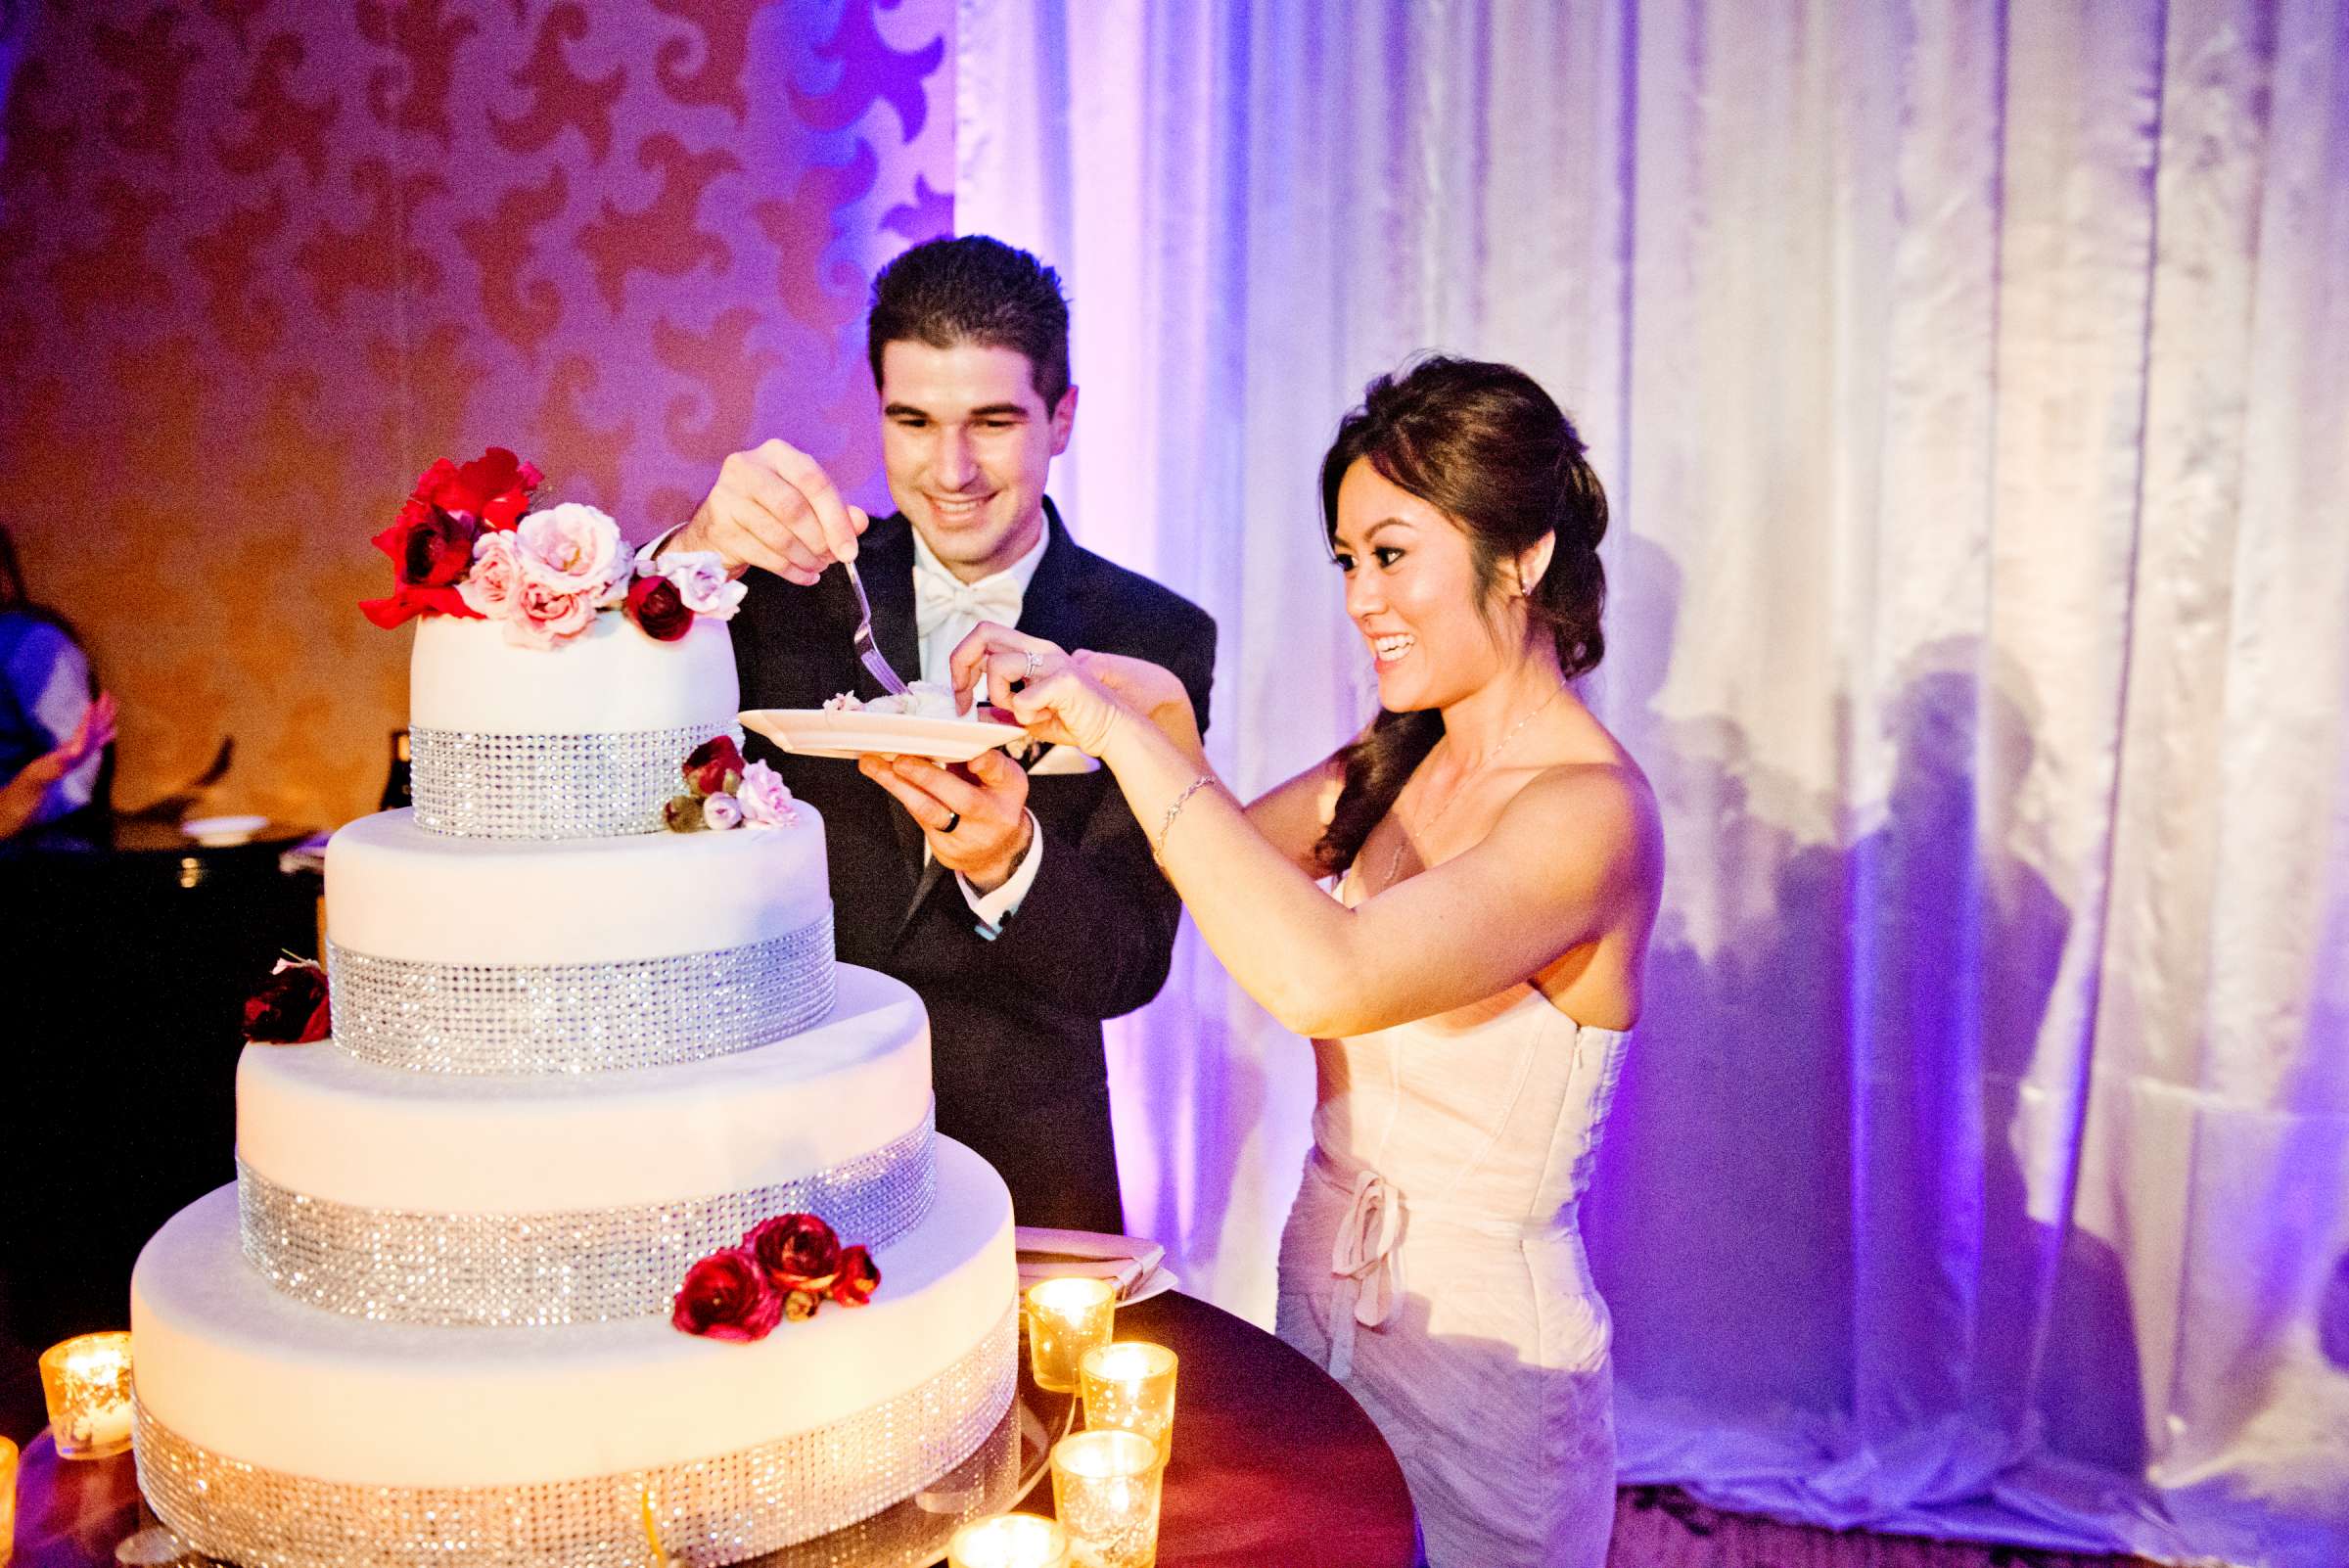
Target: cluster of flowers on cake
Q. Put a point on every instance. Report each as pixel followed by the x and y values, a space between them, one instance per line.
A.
pixel 722 791
pixel 785 1267
pixel 291 1007
pixel 466 543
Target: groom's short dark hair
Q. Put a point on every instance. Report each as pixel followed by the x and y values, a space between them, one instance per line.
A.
pixel 974 290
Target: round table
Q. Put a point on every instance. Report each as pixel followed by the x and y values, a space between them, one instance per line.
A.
pixel 1273 1463
pixel 136 953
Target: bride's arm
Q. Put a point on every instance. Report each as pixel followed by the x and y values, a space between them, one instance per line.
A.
pixel 1293 815
pixel 1571 857
pixel 1575 854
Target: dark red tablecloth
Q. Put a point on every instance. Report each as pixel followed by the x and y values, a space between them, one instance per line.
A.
pixel 1273 1464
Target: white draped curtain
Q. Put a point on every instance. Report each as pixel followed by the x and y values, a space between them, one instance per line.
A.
pixel 1972 386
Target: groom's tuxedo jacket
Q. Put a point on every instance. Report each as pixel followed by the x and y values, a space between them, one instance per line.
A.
pixel 1016 1020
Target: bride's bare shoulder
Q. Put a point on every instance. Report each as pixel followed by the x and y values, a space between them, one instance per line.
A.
pixel 1598 804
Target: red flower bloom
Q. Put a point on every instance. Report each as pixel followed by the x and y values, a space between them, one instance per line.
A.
pixel 406 601
pixel 290 1008
pixel 495 487
pixel 431 550
pixel 656 606
pixel 796 1252
pixel 858 1278
pixel 725 1296
pixel 708 765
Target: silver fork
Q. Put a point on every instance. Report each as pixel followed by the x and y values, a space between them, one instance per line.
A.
pixel 869 652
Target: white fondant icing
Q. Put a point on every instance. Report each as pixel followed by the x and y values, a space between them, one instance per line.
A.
pixel 397 890
pixel 312 1119
pixel 229 1363
pixel 465 675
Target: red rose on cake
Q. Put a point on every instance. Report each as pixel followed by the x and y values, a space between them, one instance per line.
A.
pixel 726 1296
pixel 714 766
pixel 796 1252
pixel 656 607
pixel 495 487
pixel 290 1007
pixel 858 1278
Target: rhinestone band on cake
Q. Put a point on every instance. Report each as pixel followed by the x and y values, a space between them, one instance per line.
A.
pixel 719 1509
pixel 586 1265
pixel 579 1018
pixel 496 786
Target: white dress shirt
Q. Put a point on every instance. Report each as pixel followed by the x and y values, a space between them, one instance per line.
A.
pixel 999 597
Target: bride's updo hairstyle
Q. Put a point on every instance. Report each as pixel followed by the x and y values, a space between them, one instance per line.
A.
pixel 1484 445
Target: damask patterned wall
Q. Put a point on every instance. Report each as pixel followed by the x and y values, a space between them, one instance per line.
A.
pixel 261 260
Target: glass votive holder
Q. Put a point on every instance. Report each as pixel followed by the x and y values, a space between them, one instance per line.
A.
pixel 86 1380
pixel 1065 1318
pixel 1105 1487
pixel 1130 1387
pixel 8 1499
pixel 1009 1540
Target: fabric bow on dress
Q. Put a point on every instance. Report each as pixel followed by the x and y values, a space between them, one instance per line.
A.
pixel 1368 1270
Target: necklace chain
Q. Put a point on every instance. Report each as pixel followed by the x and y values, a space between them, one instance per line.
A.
pixel 1428 827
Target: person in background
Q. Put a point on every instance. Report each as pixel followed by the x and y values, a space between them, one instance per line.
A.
pixel 57 730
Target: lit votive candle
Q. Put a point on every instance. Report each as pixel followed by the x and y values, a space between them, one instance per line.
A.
pixel 1130 1387
pixel 1009 1540
pixel 1065 1318
pixel 1105 1487
pixel 86 1381
pixel 8 1498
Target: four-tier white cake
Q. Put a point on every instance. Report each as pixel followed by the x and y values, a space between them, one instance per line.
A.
pixel 573 1053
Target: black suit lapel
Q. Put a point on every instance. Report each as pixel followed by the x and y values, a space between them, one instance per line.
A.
pixel 1054 605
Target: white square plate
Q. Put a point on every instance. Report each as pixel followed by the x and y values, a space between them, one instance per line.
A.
pixel 830 732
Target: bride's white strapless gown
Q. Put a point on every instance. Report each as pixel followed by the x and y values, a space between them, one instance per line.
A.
pixel 1432 1263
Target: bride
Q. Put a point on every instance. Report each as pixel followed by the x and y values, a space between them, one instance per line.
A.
pixel 1469 988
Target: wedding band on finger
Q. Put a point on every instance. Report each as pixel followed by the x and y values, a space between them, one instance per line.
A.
pixel 1035 664
pixel 953 821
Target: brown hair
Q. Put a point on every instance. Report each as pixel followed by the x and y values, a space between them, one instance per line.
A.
pixel 1485 446
pixel 974 290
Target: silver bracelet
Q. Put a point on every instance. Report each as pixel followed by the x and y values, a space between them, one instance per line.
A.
pixel 1167 824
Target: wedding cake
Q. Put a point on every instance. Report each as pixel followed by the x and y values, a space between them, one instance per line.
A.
pixel 445 1314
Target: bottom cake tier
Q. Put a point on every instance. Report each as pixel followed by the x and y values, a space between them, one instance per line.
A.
pixel 273 1432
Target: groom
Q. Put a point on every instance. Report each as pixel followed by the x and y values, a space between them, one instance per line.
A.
pixel 1023 907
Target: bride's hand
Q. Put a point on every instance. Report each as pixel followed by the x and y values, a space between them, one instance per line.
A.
pixel 1057 702
pixel 1151 690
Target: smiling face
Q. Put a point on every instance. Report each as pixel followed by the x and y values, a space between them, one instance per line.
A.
pixel 966 441
pixel 1413 591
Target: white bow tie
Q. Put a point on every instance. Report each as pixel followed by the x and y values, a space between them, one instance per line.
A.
pixel 940 600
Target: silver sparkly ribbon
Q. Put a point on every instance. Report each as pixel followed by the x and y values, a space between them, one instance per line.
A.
pixel 715 1510
pixel 580 1018
pixel 473 784
pixel 534 1269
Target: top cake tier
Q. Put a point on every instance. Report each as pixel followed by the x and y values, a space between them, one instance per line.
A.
pixel 580 741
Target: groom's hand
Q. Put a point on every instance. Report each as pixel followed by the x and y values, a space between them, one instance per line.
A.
pixel 975 817
pixel 773 507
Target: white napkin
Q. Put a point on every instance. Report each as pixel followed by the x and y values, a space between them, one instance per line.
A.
pixel 1046 1254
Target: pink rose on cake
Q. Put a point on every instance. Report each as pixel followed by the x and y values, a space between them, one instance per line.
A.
pixel 701 580
pixel 765 799
pixel 574 549
pixel 505 588
pixel 726 1296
